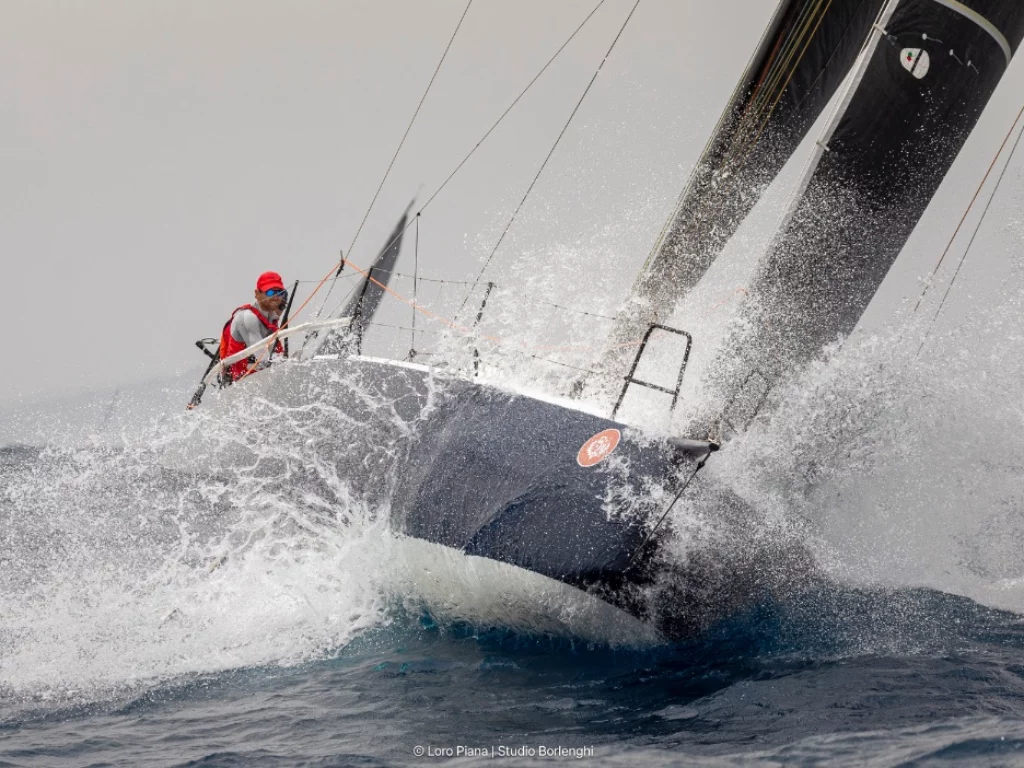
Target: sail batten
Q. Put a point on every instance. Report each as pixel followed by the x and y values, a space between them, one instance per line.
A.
pixel 982 22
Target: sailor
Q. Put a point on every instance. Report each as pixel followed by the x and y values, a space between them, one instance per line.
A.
pixel 251 323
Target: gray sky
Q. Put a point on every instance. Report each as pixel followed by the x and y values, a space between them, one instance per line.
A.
pixel 156 156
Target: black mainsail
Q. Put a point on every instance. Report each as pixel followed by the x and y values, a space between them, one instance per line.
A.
pixel 924 78
pixel 804 54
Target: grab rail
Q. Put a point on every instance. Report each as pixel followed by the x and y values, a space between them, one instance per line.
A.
pixel 636 361
pixel 268 343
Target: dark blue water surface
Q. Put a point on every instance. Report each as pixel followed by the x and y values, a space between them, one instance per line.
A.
pixel 127 638
pixel 837 675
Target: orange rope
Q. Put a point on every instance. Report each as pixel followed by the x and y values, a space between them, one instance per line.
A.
pixel 726 300
pixel 496 340
pixel 945 252
pixel 433 315
pixel 310 297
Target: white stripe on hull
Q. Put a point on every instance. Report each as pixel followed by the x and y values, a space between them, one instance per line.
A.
pixel 454 586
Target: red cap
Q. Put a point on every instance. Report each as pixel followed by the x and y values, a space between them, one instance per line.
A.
pixel 269 280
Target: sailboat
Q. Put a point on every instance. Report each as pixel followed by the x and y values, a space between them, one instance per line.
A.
pixel 553 490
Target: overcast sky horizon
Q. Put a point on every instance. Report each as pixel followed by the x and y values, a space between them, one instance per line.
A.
pixel 156 157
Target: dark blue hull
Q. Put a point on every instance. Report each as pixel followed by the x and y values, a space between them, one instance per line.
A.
pixel 508 477
pixel 497 475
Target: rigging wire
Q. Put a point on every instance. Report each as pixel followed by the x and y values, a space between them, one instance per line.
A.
pixel 415 285
pixel 346 277
pixel 527 299
pixel 483 138
pixel 974 234
pixel 567 309
pixel 409 127
pixel 403 328
pixel 977 192
pixel 977 227
pixel 379 271
pixel 427 279
pixel 510 106
pixel 723 119
pixel 678 496
pixel 416 278
pixel 401 143
pixel 743 139
pixel 546 159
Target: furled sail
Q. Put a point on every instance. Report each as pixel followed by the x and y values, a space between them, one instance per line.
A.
pixel 806 51
pixel 365 298
pixel 363 304
pixel 916 93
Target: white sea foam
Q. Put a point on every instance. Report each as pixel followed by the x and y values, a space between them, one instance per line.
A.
pixel 909 470
pixel 248 533
pixel 107 578
pixel 895 470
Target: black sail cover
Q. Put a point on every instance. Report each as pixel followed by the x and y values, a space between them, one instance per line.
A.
pixel 922 92
pixel 367 296
pixel 805 53
pixel 364 304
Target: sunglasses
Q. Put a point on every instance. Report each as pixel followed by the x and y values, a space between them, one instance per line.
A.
pixel 272 292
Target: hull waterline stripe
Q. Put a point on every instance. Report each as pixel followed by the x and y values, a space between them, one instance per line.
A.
pixel 982 22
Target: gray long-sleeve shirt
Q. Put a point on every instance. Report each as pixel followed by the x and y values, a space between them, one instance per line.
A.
pixel 247 328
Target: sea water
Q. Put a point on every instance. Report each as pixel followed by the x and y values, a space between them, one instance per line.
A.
pixel 211 590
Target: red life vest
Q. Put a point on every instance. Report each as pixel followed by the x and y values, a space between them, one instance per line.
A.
pixel 229 345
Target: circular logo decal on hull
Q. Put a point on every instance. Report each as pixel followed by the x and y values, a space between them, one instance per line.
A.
pixel 598 447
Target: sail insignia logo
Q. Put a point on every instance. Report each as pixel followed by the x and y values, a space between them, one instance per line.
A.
pixel 598 447
pixel 916 61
